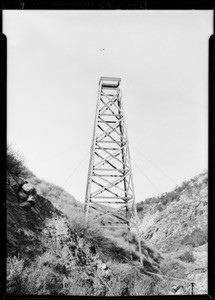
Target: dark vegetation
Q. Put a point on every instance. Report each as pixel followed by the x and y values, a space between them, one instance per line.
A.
pixel 75 267
pixel 187 256
pixel 15 163
pixel 197 238
pixel 161 202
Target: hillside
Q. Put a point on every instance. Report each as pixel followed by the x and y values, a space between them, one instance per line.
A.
pixel 52 252
pixel 176 224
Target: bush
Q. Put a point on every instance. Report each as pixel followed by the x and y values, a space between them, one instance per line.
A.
pixel 43 281
pixel 172 268
pixel 37 278
pixel 14 162
pixel 139 207
pixel 15 284
pixel 187 257
pixel 197 238
pixel 159 207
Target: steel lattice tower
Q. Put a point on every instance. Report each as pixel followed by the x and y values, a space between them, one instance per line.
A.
pixel 110 188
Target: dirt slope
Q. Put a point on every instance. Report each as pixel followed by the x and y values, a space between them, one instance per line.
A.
pixel 24 227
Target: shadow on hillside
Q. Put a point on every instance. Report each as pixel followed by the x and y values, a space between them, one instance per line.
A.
pixel 24 227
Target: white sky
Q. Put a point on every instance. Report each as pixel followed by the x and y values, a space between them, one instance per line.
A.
pixel 55 60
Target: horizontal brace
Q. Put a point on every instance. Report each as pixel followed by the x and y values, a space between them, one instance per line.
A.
pixel 116 142
pixel 119 115
pixel 108 211
pixel 109 197
pixel 106 175
pixel 119 143
pixel 98 148
pixel 109 88
pixel 118 79
pixel 113 170
pixel 112 213
pixel 117 152
pixel 112 122
pixel 111 202
pixel 109 95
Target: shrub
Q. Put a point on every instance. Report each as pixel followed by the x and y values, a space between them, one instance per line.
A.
pixel 77 284
pixel 15 268
pixel 146 285
pixel 14 162
pixel 43 281
pixel 172 268
pixel 164 200
pixel 140 206
pixel 37 278
pixel 77 223
pixel 159 207
pixel 128 280
pixel 197 238
pixel 187 257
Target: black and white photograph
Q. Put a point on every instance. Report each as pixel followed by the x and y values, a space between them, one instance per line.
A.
pixel 107 152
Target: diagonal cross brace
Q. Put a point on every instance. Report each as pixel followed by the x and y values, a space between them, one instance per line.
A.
pixel 111 184
pixel 112 156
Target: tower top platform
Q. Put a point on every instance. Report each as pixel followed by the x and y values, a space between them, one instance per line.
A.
pixel 110 81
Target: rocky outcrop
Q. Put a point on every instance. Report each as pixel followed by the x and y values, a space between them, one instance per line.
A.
pixel 25 224
pixel 176 224
pixel 181 223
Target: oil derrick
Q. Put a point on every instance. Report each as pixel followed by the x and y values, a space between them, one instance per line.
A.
pixel 110 188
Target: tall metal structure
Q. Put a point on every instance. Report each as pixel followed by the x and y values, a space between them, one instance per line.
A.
pixel 110 188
